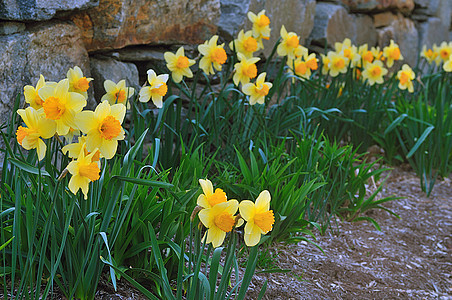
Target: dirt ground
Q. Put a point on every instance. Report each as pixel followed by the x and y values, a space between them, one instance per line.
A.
pixel 410 258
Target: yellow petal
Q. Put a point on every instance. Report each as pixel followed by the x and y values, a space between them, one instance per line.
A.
pixel 247 209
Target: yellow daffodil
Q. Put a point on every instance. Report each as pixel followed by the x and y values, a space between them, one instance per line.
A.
pixel 245 44
pixel 31 94
pixel 325 64
pixel 289 43
pixel 103 127
pixel 311 61
pixel 447 66
pixel 444 51
pixel 299 68
pixel 77 82
pixel 365 55
pixel 258 216
pixel 377 53
pixel 219 220
pixel 337 63
pixel 37 127
pixel 156 90
pixel 245 69
pixel 117 92
pixel 429 55
pixel 210 198
pixel 374 72
pixel 73 150
pixel 257 91
pixel 301 51
pixel 83 170
pixel 179 64
pixel 405 77
pixel 213 55
pixel 61 105
pixel 392 53
pixel 261 27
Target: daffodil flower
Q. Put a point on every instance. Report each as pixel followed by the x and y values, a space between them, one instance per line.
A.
pixel 392 53
pixel 31 94
pixel 83 170
pixel 337 63
pixel 374 72
pixel 37 127
pixel 117 92
pixel 156 90
pixel 290 42
pixel 444 51
pixel 103 127
pixel 61 105
pixel 429 55
pixel 447 66
pixel 77 81
pixel 210 198
pixel 73 150
pixel 245 69
pixel 258 216
pixel 257 91
pixel 179 64
pixel 219 220
pixel 261 27
pixel 245 44
pixel 405 77
pixel 299 68
pixel 214 55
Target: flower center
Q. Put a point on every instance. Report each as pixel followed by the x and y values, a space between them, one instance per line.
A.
pixel 444 54
pixel 110 128
pixel 182 62
pixel 22 132
pixel 250 44
pixel 339 63
pixel 368 56
pixel 120 96
pixel 395 54
pixel 224 221
pixel 301 68
pixel 376 71
pixel 161 90
pixel 263 21
pixel 404 77
pixel 293 41
pixel 312 64
pixel 250 71
pixel 90 171
pixel 81 85
pixel 262 90
pixel 429 53
pixel 347 53
pixel 219 55
pixel 53 108
pixel 218 197
pixel 264 220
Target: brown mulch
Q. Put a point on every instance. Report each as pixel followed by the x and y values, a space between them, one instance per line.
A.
pixel 410 258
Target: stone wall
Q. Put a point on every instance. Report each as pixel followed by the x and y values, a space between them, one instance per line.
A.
pixel 116 39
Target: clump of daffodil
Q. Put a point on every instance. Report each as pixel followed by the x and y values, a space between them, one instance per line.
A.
pixel 31 93
pixel 179 64
pixel 374 72
pixel 61 105
pixel 37 127
pixel 245 69
pixel 117 92
pixel 261 27
pixel 156 90
pixel 444 51
pixel 258 216
pixel 83 170
pixel 257 91
pixel 245 44
pixel 392 53
pixel 337 63
pixel 289 44
pixel 429 55
pixel 73 150
pixel 219 220
pixel 349 51
pixel 406 77
pixel 103 127
pixel 77 81
pixel 209 198
pixel 213 55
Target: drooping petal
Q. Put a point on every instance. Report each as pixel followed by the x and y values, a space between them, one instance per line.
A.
pixel 246 209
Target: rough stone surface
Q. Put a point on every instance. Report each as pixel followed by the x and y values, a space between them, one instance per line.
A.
pixel 103 68
pixel 365 31
pixel 40 10
pixel 445 13
pixel 118 23
pixel 7 28
pixel 404 6
pixel 384 19
pixel 332 24
pixel 233 17
pixel 428 7
pixel 405 34
pixel 432 32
